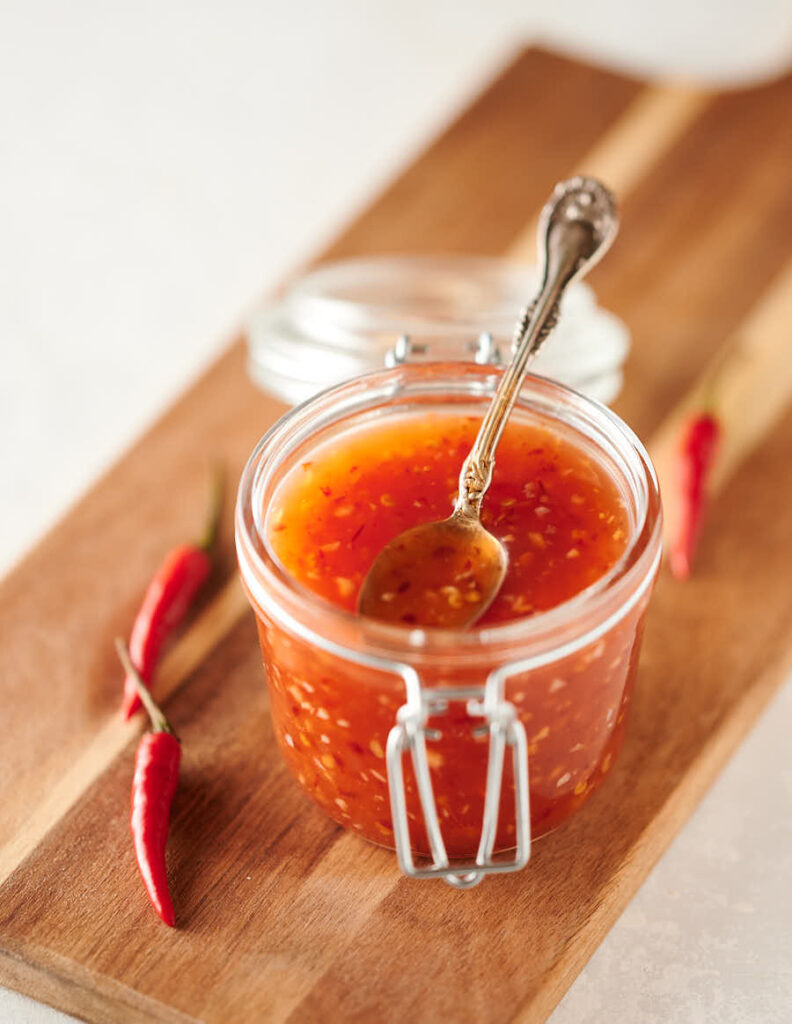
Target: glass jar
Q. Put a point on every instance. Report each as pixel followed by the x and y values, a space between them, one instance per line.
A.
pixel 402 734
pixel 343 318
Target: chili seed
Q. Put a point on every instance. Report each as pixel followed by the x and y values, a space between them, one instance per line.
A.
pixel 453 596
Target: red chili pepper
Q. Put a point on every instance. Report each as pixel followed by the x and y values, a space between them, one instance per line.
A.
pixel 169 597
pixel 153 787
pixel 698 447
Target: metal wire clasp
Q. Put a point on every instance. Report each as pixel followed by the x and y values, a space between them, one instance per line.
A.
pixel 410 735
pixel 483 350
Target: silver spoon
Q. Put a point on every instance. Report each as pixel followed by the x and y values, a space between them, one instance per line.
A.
pixel 458 559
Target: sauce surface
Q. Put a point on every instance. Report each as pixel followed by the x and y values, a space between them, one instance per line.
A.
pixel 555 509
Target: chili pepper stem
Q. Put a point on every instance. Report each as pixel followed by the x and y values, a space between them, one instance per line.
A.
pixel 209 538
pixel 159 723
pixel 706 404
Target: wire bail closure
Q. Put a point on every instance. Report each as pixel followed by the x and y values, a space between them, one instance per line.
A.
pixel 410 734
pixel 484 350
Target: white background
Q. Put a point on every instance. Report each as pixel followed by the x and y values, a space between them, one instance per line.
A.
pixel 161 163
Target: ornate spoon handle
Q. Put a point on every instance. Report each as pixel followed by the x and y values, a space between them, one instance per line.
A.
pixel 576 228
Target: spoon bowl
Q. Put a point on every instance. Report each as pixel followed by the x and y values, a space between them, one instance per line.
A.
pixel 462 565
pixel 462 569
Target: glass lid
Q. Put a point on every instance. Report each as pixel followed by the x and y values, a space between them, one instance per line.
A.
pixel 346 318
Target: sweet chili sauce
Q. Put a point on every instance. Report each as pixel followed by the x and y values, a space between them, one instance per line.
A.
pixel 564 524
pixel 555 510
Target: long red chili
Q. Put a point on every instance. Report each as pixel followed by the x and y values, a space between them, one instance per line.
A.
pixel 697 450
pixel 153 787
pixel 169 597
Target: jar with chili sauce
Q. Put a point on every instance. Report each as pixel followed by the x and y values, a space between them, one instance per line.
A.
pixel 458 748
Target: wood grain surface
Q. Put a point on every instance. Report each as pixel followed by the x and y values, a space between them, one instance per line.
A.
pixel 283 916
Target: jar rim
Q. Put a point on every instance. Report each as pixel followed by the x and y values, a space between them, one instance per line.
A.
pixel 578 620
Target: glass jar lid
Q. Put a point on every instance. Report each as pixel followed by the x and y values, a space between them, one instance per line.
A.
pixel 346 318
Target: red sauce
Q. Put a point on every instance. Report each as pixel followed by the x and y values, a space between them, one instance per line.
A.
pixel 555 510
pixel 564 524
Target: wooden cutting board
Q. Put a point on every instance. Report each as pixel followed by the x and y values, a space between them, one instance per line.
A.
pixel 283 916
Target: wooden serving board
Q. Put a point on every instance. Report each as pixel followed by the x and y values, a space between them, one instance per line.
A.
pixel 283 916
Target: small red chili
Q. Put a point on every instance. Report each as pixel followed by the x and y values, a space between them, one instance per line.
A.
pixel 697 450
pixel 154 784
pixel 169 597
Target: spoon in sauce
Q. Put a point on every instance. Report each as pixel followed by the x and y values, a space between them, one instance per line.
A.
pixel 457 557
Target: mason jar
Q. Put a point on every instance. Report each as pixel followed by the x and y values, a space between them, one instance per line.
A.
pixel 458 748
